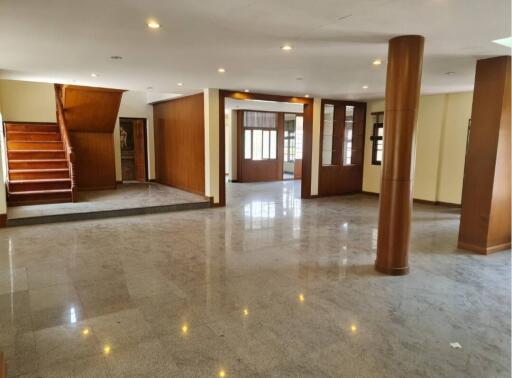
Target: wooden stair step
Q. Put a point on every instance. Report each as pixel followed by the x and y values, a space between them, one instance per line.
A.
pixel 38 173
pixel 35 197
pixel 34 145
pixel 37 163
pixel 38 184
pixel 35 154
pixel 33 136
pixel 27 126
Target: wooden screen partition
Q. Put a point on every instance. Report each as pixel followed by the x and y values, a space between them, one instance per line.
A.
pixel 179 143
pixel 91 115
pixel 338 172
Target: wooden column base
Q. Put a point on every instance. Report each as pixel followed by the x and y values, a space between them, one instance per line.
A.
pixel 3 220
pixel 392 271
pixel 483 250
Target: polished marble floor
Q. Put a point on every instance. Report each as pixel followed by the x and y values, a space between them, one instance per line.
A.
pixel 270 286
pixel 125 196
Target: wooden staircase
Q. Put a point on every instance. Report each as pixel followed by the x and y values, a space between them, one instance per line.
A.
pixel 38 164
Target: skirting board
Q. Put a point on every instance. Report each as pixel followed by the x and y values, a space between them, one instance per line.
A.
pixel 484 250
pixel 426 202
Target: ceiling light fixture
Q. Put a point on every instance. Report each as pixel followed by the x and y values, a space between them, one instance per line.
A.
pixel 153 25
pixel 149 88
pixel 507 42
pixel 94 75
pixel 116 57
pixel 306 95
pixel 246 90
pixel 365 86
pixel 179 84
pixel 377 62
pixel 221 70
pixel 286 47
pixel 449 73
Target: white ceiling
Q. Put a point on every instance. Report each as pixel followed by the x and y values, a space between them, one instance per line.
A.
pixel 334 43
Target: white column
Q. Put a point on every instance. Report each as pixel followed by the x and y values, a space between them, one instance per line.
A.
pixel 211 143
pixel 315 153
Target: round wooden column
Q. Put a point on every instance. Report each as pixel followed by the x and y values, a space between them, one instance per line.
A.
pixel 405 56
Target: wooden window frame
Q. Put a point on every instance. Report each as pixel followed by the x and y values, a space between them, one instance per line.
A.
pixel 375 138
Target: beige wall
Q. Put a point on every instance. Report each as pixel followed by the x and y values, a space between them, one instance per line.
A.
pixel 440 147
pixel 27 101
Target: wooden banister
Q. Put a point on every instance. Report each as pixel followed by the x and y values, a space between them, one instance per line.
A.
pixel 70 155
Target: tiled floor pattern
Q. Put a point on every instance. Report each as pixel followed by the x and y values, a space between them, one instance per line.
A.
pixel 271 286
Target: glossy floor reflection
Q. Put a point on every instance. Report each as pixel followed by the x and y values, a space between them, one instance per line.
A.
pixel 270 286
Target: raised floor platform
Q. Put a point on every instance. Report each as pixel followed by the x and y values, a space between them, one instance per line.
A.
pixel 127 200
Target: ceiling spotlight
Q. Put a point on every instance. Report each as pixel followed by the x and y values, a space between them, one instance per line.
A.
pixel 179 84
pixel 221 70
pixel 153 25
pixel 116 57
pixel 246 90
pixel 377 62
pixel 365 86
pixel 286 47
pixel 94 75
pixel 449 73
pixel 306 95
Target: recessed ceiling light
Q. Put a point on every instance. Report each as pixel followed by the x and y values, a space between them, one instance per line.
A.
pixel 116 57
pixel 221 70
pixel 365 86
pixel 94 75
pixel 306 95
pixel 246 90
pixel 149 88
pixel 153 25
pixel 377 62
pixel 449 73
pixel 507 42
pixel 286 47
pixel 299 78
pixel 179 84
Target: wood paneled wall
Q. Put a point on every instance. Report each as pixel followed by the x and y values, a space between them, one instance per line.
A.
pixel 179 143
pixel 91 115
pixel 339 179
pixel 485 220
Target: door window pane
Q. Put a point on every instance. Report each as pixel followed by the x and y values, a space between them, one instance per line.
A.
pixel 299 132
pixel 347 140
pixel 266 144
pixel 247 146
pixel 273 144
pixel 257 144
pixel 327 134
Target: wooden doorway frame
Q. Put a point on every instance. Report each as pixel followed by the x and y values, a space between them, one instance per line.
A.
pixel 146 147
pixel 307 143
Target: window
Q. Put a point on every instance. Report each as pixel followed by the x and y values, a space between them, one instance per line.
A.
pixel 289 137
pixel 260 135
pixel 377 139
pixel 299 134
pixel 327 137
pixel 347 140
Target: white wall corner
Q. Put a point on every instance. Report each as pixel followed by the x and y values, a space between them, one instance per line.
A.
pixel 315 152
pixel 211 144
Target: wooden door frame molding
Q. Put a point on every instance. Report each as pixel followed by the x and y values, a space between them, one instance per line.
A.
pixel 146 144
pixel 307 143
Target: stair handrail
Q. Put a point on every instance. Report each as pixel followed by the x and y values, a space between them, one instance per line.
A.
pixel 70 154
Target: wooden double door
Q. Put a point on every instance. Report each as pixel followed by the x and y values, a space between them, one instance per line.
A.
pixel 264 147
pixel 133 149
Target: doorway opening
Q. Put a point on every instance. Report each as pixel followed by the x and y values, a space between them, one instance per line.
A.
pixel 252 137
pixel 134 157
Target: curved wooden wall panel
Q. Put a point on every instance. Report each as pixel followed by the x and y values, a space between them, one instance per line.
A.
pixel 91 115
pixel 179 143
